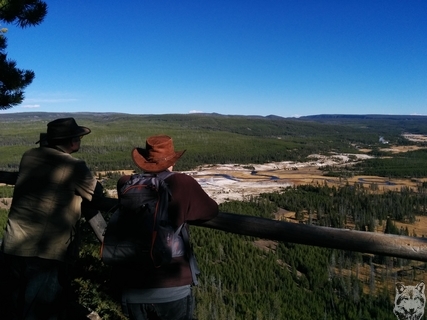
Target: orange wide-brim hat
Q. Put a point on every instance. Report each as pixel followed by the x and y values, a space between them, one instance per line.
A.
pixel 158 155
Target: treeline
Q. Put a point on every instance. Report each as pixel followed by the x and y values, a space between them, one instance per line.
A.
pixel 208 138
pixel 411 164
pixel 408 165
pixel 363 208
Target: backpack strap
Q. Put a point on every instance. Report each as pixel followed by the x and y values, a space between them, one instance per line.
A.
pixel 164 174
pixel 191 258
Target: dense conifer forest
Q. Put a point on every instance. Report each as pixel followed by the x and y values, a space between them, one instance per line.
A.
pixel 241 280
pixel 244 277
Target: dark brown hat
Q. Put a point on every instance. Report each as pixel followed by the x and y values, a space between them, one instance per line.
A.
pixel 64 128
pixel 158 155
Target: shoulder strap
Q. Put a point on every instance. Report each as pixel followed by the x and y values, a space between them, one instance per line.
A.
pixel 164 196
pixel 191 258
pixel 161 176
pixel 164 174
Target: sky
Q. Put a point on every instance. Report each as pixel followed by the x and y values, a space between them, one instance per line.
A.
pixel 288 58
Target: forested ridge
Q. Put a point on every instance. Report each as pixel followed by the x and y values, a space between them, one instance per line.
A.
pixel 242 279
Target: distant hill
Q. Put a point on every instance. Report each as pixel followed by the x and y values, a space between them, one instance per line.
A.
pixel 411 123
pixel 319 117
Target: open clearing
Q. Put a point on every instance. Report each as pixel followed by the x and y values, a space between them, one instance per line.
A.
pixel 237 182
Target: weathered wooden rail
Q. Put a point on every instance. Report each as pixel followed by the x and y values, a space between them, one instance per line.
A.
pixel 360 241
pixel 412 248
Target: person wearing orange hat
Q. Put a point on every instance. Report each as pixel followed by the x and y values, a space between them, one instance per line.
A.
pixel 164 292
pixel 41 225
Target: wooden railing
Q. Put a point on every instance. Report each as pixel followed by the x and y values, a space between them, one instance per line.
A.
pixel 412 248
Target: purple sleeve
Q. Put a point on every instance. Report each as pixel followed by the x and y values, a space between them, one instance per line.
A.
pixel 189 201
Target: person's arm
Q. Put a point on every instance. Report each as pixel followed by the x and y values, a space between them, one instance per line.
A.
pixel 91 210
pixel 189 200
pixel 99 201
pixel 8 177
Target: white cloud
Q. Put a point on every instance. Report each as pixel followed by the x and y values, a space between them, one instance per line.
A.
pixel 195 111
pixel 50 100
pixel 30 106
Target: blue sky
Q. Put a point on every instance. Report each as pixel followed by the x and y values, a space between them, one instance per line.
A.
pixel 253 57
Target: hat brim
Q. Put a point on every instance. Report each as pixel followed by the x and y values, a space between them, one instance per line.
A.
pixel 81 131
pixel 139 158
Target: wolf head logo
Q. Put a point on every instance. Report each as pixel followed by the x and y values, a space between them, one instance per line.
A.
pixel 409 302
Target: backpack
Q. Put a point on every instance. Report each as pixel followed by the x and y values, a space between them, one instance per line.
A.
pixel 140 230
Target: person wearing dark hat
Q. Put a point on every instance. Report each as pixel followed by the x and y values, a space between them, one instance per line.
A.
pixel 41 225
pixel 164 292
